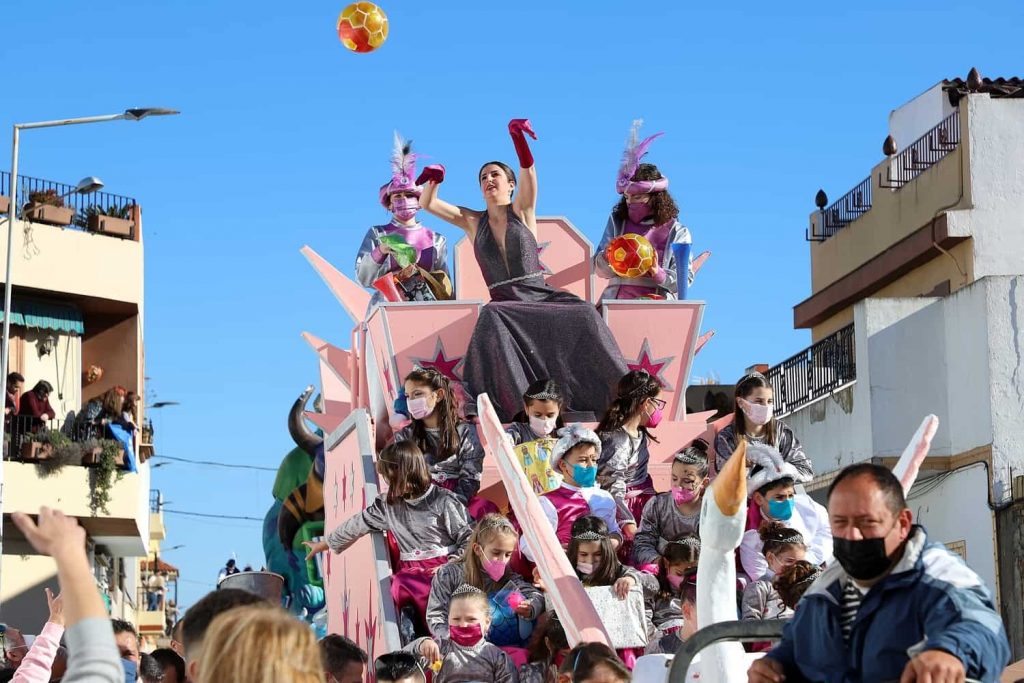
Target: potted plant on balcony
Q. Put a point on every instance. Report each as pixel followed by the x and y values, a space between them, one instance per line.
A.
pixel 46 206
pixel 63 451
pixel 112 220
pixel 35 449
pixel 104 474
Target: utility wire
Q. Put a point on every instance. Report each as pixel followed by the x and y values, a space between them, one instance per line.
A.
pixel 212 463
pixel 210 516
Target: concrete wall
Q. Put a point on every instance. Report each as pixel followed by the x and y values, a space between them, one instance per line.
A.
pixel 1003 384
pixel 62 368
pixel 116 346
pixel 77 262
pixel 954 507
pixel 918 116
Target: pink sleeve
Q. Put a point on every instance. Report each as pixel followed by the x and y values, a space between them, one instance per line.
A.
pixel 35 668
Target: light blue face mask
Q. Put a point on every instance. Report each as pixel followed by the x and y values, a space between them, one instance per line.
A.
pixel 781 509
pixel 584 476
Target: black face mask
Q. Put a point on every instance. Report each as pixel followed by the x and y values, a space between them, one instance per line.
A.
pixel 863 560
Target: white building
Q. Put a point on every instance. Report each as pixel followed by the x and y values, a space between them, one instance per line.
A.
pixel 918 308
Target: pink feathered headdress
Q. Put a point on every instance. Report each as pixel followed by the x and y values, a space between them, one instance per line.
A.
pixel 635 151
pixel 403 171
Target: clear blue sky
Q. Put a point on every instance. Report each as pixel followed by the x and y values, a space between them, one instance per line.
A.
pixel 284 138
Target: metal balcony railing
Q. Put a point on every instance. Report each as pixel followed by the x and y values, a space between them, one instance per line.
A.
pixel 816 371
pixel 843 211
pixel 156 501
pixel 83 205
pixel 923 153
pixel 21 431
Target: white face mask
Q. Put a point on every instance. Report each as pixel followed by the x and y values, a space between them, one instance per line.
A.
pixel 542 426
pixel 758 414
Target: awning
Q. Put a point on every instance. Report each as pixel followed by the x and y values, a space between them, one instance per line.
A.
pixel 45 315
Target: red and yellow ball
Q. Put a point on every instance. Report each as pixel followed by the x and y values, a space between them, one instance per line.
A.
pixel 630 255
pixel 362 27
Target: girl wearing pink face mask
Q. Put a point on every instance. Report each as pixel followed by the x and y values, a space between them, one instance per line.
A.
pixel 625 432
pixel 400 196
pixel 450 445
pixel 646 208
pixel 465 654
pixel 675 514
pixel 754 420
pixel 677 563
pixel 486 566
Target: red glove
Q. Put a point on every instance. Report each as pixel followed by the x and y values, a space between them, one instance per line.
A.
pixel 519 129
pixel 431 174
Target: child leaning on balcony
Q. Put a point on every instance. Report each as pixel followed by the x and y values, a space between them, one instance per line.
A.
pixel 429 525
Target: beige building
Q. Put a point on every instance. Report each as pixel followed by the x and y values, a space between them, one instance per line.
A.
pixel 915 309
pixel 77 323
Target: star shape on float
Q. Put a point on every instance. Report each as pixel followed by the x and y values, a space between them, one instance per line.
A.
pixel 351 481
pixel 448 367
pixel 336 489
pixel 654 366
pixel 541 248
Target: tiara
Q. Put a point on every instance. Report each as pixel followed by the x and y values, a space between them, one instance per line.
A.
pixel 543 396
pixel 466 589
pixel 751 375
pixel 689 541
pixel 795 537
pixel 684 458
pixel 589 536
pixel 496 522
pixel 810 578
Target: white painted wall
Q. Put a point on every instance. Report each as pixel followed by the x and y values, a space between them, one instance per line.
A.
pixel 957 510
pixel 910 121
pixel 1004 354
pixel 62 368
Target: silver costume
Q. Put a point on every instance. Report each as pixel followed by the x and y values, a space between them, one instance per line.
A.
pixel 451 576
pixel 368 270
pixel 785 442
pixel 661 523
pixel 622 466
pixel 677 233
pixel 433 525
pixel 762 601
pixel 480 663
pixel 464 468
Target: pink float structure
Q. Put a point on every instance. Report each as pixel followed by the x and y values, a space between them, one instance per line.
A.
pixel 359 386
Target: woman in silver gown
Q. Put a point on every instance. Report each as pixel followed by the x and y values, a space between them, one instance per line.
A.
pixel 529 330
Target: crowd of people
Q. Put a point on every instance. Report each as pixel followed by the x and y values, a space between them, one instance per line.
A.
pixel 868 596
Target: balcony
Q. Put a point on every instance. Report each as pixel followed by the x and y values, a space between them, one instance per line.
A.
pixel 68 237
pixel 65 465
pixel 157 531
pixel 816 372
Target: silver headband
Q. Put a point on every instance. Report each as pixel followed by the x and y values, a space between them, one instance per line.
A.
pixel 810 577
pixel 543 396
pixel 466 589
pixel 796 537
pixel 689 541
pixel 589 536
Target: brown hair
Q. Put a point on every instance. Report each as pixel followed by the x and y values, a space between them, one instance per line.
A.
pixel 113 402
pixel 585 658
pixel 509 173
pixel 549 628
pixel 490 527
pixel 405 469
pixel 686 549
pixel 260 645
pixel 793 581
pixel 635 387
pixel 447 414
pixel 745 388
pixel 778 538
pixel 663 207
pixel 610 569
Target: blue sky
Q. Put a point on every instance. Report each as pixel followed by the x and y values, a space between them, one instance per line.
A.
pixel 284 137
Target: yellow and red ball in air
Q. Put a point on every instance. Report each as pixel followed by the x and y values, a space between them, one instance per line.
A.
pixel 362 27
pixel 630 255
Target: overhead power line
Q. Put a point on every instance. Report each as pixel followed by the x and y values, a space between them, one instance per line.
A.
pixel 212 463
pixel 210 515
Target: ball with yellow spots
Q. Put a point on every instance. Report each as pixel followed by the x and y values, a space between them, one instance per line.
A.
pixel 630 255
pixel 362 27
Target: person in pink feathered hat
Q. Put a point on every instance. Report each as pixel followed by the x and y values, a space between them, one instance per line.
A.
pixel 377 256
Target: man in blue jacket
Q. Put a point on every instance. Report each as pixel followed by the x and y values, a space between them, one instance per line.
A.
pixel 894 607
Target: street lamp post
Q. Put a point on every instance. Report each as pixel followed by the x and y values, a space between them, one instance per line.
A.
pixel 127 115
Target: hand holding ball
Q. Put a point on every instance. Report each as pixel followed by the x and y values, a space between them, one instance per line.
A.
pixel 630 255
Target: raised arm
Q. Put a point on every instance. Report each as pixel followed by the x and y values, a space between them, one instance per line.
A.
pixel 459 216
pixel 525 202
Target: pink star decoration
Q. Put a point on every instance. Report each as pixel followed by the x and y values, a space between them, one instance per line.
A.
pixel 653 366
pixel 446 366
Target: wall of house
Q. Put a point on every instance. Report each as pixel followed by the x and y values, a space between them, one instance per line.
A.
pixel 910 121
pixel 62 367
pixel 115 346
